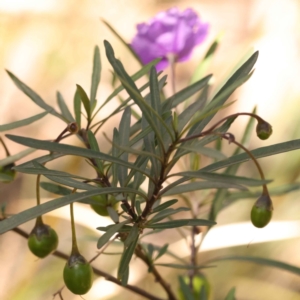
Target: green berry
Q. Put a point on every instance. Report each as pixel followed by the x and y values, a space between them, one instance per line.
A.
pixel 263 130
pixel 100 204
pixel 261 212
pixel 42 240
pixel 78 274
pixel 199 282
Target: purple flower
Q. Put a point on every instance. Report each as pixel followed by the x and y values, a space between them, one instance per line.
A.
pixel 169 33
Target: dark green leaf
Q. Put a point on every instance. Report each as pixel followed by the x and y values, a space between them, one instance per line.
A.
pixel 55 188
pixel 71 150
pixel 261 261
pixel 126 257
pixel 12 158
pixel 200 185
pixel 23 122
pixel 43 208
pixel 77 108
pixel 223 178
pixel 180 223
pixel 34 96
pixel 64 108
pixel 258 153
pixel 85 100
pixel 113 214
pixel 132 236
pixel 95 76
pixel 109 233
pixel 166 213
pixel 162 251
pixel 164 205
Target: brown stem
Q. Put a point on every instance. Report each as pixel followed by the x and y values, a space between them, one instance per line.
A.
pixel 210 130
pixel 98 272
pixel 158 278
pixel 231 139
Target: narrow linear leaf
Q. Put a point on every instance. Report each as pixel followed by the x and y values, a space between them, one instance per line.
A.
pixel 180 223
pixel 85 100
pixel 258 153
pixel 261 261
pixel 13 158
pixel 23 122
pixel 55 188
pixel 164 205
pixel 95 76
pixel 64 108
pixel 71 150
pixel 201 185
pixel 44 208
pixel 34 96
pixel 166 213
pixel 126 257
pixel 162 251
pixel 109 233
pixel 77 108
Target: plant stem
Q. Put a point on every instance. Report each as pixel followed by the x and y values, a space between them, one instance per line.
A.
pixel 158 278
pixel 97 271
pixel 74 241
pixel 210 130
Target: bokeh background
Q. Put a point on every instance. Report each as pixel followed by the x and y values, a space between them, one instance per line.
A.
pixel 49 45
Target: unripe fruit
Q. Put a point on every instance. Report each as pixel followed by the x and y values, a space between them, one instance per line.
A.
pixel 7 172
pixel 101 203
pixel 199 282
pixel 78 274
pixel 42 240
pixel 261 212
pixel 263 130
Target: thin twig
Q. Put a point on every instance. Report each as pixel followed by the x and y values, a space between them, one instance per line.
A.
pixel 98 272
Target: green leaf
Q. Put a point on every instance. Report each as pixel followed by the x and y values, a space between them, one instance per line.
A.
pixel 55 188
pixel 182 267
pixel 12 158
pixel 205 62
pixel 32 213
pixel 134 77
pixel 199 185
pixel 94 146
pixel 95 76
pixel 133 92
pixel 258 153
pixel 166 213
pixel 127 46
pixel 223 178
pixel 180 223
pixel 126 257
pixel 77 108
pixel 34 96
pixel 185 93
pixel 261 261
pixel 231 294
pixel 162 251
pixel 64 108
pixel 124 132
pixel 70 182
pixel 110 232
pixel 23 122
pixel 85 100
pixel 187 114
pixel 164 205
pixel 71 150
pixel 206 151
pixel 113 214
pixel 132 236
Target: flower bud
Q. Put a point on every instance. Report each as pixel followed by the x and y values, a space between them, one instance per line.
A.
pixel 263 130
pixel 42 240
pixel 261 212
pixel 78 274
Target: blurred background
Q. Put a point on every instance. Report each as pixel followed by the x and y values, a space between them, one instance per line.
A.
pixel 49 45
